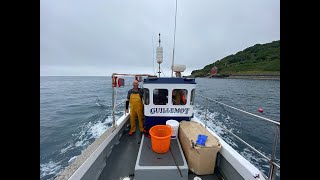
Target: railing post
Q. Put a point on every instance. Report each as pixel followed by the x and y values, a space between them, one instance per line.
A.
pixel 206 115
pixel 273 168
pixel 113 117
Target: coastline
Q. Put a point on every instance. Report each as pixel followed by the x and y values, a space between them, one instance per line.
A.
pixel 260 77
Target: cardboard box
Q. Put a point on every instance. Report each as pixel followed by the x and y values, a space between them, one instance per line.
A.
pixel 201 159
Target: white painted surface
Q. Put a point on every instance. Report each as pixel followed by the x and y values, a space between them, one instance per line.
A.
pixel 169 87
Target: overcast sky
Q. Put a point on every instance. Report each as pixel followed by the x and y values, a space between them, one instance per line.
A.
pixel 99 37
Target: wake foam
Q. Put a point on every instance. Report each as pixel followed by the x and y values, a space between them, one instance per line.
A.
pixel 50 168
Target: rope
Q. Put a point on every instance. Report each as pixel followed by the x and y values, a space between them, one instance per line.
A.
pixel 120 103
pixel 153 57
pixel 273 121
pixel 175 161
pixel 251 147
pixel 162 72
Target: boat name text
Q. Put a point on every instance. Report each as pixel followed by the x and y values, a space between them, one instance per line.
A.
pixel 169 110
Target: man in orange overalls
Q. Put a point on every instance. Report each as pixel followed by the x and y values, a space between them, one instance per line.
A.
pixel 134 97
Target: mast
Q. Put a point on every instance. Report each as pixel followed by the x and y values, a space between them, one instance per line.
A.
pixel 174 39
pixel 159 54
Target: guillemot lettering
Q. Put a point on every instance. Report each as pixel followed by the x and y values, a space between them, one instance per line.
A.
pixel 169 110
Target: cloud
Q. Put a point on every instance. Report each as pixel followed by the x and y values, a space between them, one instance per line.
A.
pixel 99 37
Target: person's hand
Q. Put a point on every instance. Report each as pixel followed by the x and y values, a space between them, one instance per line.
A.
pixel 127 111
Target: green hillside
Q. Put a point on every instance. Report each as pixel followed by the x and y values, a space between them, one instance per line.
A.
pixel 257 59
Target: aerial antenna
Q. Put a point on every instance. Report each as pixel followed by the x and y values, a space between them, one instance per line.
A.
pixel 174 38
pixel 154 73
pixel 159 55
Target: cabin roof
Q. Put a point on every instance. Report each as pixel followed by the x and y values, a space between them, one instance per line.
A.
pixel 164 80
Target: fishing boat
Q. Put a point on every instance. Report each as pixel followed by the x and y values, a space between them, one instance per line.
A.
pixel 116 155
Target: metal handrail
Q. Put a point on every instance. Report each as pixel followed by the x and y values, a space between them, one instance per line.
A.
pixel 272 121
pixel 257 151
pixel 273 164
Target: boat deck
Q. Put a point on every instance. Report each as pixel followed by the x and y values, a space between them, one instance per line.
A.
pixel 122 160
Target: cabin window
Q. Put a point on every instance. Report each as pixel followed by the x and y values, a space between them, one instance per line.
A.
pixel 146 97
pixel 160 96
pixel 179 96
pixel 192 96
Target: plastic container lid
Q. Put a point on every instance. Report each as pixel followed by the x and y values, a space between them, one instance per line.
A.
pixel 201 139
